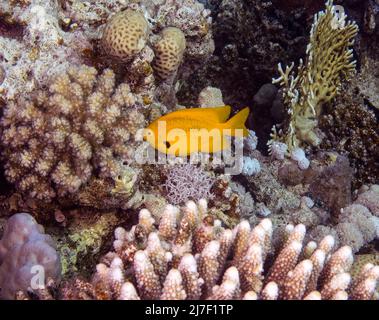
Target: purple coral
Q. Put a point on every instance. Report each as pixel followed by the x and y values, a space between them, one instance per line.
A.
pixel 27 256
pixel 187 182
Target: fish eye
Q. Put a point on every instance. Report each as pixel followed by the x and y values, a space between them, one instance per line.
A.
pixel 168 144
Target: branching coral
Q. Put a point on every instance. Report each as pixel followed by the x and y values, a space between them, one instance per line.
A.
pixel 328 63
pixel 187 255
pixel 187 182
pixel 55 140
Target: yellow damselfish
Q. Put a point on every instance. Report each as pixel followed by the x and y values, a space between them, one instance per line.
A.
pixel 186 131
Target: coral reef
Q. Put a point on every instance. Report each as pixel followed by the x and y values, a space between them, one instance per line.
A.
pixel 293 218
pixel 55 141
pixel 194 257
pixel 329 62
pixel 28 257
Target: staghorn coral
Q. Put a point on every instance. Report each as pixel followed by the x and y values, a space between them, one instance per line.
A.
pixel 318 80
pixel 193 257
pixel 26 253
pixel 125 35
pixel 169 50
pixel 55 140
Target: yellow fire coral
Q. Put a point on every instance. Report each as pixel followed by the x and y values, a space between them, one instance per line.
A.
pixel 329 62
pixel 125 34
pixel 169 51
pixel 56 139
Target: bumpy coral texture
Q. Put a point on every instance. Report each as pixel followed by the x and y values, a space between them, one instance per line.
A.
pixel 169 51
pixel 24 245
pixel 328 63
pixel 230 264
pixel 352 128
pixel 125 34
pixel 56 140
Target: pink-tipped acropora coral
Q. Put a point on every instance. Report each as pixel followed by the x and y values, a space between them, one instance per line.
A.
pixel 188 255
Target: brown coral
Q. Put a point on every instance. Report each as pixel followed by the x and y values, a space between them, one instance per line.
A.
pixel 169 51
pixel 352 128
pixel 55 140
pixel 125 34
pixel 192 258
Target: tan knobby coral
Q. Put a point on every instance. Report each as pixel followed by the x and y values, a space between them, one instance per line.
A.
pixel 56 139
pixel 169 50
pixel 328 63
pixel 188 255
pixel 125 34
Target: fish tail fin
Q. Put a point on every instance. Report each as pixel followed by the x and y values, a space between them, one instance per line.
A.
pixel 238 121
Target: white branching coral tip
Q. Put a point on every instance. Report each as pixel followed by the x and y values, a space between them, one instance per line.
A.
pixel 327 244
pixel 147 280
pixel 296 281
pixel 297 234
pixel 168 223
pixel 128 292
pixel 146 219
pixel 339 282
pixel 314 295
pixel 285 262
pixel 250 295
pixel 340 261
pixel 270 291
pixel 209 266
pixel 173 286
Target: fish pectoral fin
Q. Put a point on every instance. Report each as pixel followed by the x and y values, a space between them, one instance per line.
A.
pixel 238 122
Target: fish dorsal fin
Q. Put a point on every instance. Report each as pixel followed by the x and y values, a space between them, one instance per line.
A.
pixel 217 114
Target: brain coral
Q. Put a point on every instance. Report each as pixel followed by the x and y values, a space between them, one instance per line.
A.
pixel 169 51
pixel 23 246
pixel 56 139
pixel 125 34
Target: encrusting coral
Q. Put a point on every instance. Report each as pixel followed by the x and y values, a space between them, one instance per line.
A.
pixel 318 80
pixel 55 140
pixel 188 255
